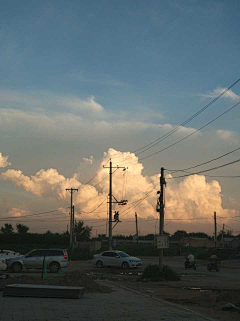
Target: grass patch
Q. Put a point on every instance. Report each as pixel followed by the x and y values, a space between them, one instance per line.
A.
pixel 152 273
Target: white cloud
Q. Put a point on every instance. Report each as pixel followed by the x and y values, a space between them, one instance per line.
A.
pixel 190 198
pixel 79 104
pixel 4 161
pixel 17 212
pixel 216 92
pixel 227 135
pixel 88 160
pixel 43 100
pixel 78 126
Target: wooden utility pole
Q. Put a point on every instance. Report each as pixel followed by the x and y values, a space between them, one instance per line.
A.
pixel 136 219
pixel 110 208
pixel 110 201
pixel 161 221
pixel 73 225
pixel 215 228
pixel 223 235
pixel 71 190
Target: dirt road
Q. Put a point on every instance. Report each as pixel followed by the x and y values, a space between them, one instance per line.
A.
pixel 200 290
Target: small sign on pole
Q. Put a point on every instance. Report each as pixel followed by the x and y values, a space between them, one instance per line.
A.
pixel 162 242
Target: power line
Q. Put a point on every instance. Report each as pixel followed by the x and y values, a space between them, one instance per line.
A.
pixel 138 202
pixel 191 133
pixel 152 144
pixel 207 170
pixel 93 177
pixel 42 213
pixel 92 210
pixel 204 163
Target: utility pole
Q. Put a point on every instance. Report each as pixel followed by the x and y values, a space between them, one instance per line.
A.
pixel 223 235
pixel 161 210
pixel 110 206
pixel 73 224
pixel 71 190
pixel 215 228
pixel 110 201
pixel 136 219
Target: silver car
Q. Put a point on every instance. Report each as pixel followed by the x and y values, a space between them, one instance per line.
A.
pixel 116 258
pixel 55 260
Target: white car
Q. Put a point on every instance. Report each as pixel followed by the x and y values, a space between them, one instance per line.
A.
pixel 8 254
pixel 3 265
pixel 116 258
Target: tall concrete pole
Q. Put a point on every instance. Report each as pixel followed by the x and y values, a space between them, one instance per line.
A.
pixel 215 228
pixel 136 219
pixel 73 225
pixel 161 221
pixel 223 235
pixel 110 206
pixel 71 190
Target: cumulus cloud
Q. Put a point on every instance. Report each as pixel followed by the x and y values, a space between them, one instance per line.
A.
pixel 79 104
pixel 227 135
pixel 4 161
pixel 195 197
pixel 17 212
pixel 88 160
pixel 216 92
pixel 190 198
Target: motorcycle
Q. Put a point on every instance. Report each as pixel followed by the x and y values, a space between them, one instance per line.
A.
pixel 190 265
pixel 213 265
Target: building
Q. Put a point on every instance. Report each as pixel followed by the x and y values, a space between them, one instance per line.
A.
pixel 197 242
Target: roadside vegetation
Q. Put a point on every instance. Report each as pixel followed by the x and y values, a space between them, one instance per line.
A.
pixel 21 240
pixel 152 273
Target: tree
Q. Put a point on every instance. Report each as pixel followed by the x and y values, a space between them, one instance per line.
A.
pixel 178 235
pixel 198 235
pixel 82 232
pixel 228 233
pixel 7 230
pixel 48 232
pixel 22 229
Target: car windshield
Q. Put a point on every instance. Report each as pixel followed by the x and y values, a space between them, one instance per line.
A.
pixel 122 254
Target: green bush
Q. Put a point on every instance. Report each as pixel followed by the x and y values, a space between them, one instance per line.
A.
pixel 152 273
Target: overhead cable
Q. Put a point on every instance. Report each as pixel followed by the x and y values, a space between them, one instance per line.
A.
pixel 207 170
pixel 191 133
pixel 152 144
pixel 204 163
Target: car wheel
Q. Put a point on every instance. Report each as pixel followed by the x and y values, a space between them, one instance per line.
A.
pixel 16 267
pixel 54 267
pixel 125 265
pixel 99 264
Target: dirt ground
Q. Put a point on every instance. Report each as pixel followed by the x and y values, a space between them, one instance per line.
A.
pixel 200 290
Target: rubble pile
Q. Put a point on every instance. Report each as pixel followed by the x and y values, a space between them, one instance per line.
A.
pixel 74 278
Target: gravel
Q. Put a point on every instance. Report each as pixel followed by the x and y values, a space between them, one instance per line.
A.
pixel 74 278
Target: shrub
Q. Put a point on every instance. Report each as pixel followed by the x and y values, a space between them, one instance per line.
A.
pixel 152 272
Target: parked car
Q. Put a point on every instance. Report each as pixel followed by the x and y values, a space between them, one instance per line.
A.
pixel 116 258
pixel 55 260
pixel 8 254
pixel 3 265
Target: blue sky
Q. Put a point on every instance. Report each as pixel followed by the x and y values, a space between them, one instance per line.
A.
pixel 80 77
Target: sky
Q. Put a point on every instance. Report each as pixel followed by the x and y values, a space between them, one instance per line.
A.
pixel 85 81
